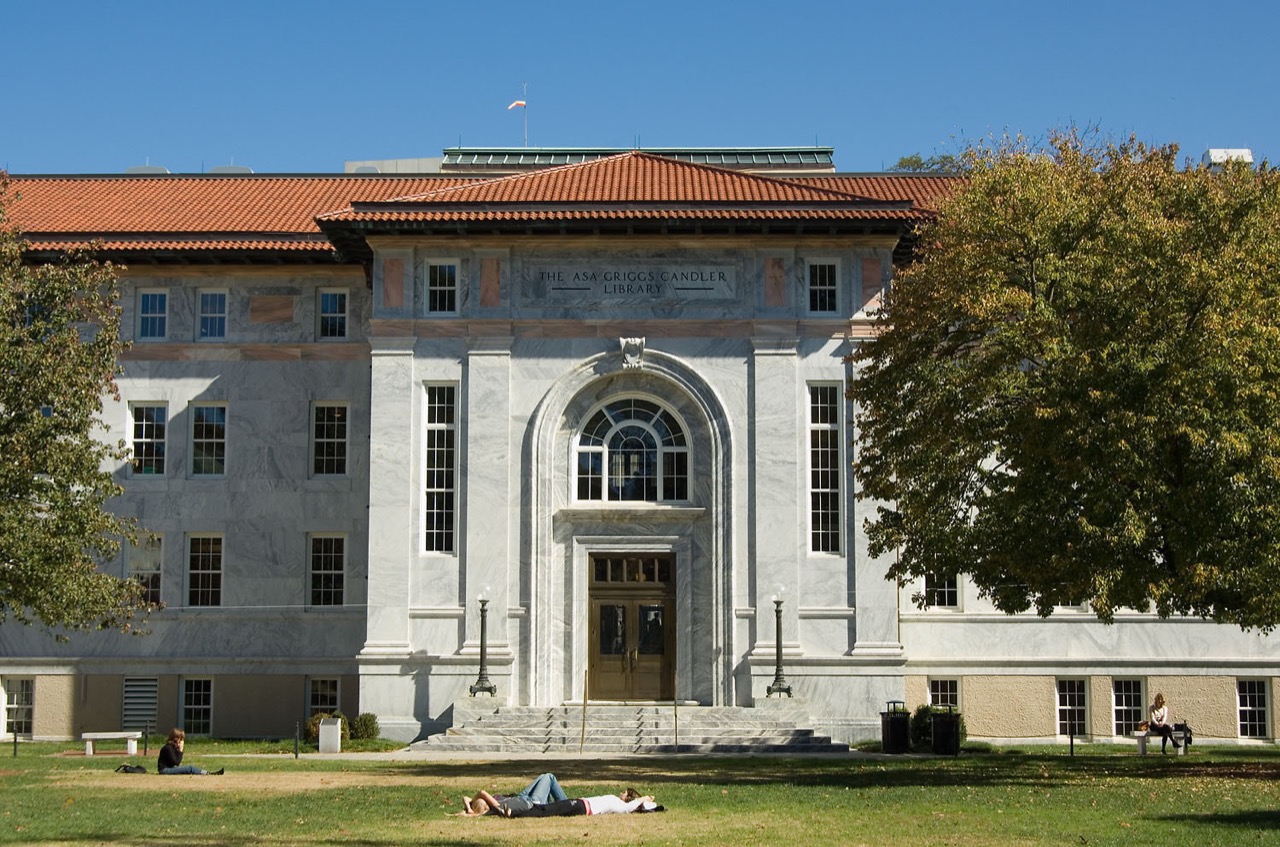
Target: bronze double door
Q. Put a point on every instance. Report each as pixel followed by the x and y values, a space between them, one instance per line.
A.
pixel 632 634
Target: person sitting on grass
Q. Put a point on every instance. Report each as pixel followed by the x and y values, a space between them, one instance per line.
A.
pixel 170 761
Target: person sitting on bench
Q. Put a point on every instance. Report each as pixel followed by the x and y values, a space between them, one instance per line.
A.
pixel 1159 722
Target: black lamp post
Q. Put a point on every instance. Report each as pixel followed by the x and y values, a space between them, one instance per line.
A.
pixel 779 684
pixel 482 682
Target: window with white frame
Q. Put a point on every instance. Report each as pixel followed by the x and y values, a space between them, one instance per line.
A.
pixel 944 693
pixel 197 706
pixel 442 287
pixel 331 313
pixel 204 570
pixel 328 569
pixel 208 440
pixel 822 287
pixel 19 705
pixel 211 318
pixel 826 472
pixel 633 450
pixel 1128 705
pixel 329 439
pixel 941 592
pixel 146 561
pixel 1251 697
pixel 1072 718
pixel 439 472
pixel 153 313
pixel 150 421
pixel 322 696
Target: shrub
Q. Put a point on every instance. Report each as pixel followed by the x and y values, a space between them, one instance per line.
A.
pixel 922 728
pixel 313 725
pixel 365 726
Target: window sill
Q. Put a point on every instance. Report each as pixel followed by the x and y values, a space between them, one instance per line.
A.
pixel 633 511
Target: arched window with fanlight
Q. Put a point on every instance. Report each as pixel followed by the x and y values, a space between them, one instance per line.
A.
pixel 633 449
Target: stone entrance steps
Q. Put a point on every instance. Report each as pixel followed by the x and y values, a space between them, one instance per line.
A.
pixel 629 729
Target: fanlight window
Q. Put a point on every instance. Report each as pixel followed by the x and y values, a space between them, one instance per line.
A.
pixel 633 449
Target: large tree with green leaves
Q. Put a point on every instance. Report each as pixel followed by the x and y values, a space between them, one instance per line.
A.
pixel 59 348
pixel 1075 395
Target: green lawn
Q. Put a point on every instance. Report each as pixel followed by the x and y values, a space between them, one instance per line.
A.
pixel 51 794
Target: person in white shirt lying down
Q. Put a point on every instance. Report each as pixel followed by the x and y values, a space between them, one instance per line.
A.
pixel 627 802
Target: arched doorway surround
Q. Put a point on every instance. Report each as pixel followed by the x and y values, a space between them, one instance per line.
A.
pixel 564 533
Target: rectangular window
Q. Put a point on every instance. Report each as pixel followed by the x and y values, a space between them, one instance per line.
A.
pixel 204 570
pixel 208 440
pixel 197 706
pixel 149 420
pixel 146 562
pixel 439 471
pixel 19 705
pixel 1252 697
pixel 332 313
pixel 153 313
pixel 212 318
pixel 944 693
pixel 942 591
pixel 826 475
pixel 329 439
pixel 1128 704
pixel 822 287
pixel 1071 707
pixel 328 567
pixel 322 696
pixel 442 288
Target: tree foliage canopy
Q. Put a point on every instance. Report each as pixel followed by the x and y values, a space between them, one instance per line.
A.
pixel 939 163
pixel 1075 396
pixel 59 346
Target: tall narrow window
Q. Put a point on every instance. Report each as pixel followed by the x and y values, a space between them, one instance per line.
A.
pixel 442 288
pixel 153 314
pixel 149 422
pixel 332 313
pixel 19 705
pixel 944 693
pixel 633 450
pixel 204 570
pixel 1128 705
pixel 822 287
pixel 329 439
pixel 1071 707
pixel 1252 698
pixel 322 696
pixel 826 475
pixel 197 706
pixel 328 567
pixel 212 320
pixel 439 472
pixel 146 561
pixel 208 440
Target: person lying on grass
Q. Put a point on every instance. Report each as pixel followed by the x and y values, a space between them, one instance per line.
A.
pixel 544 789
pixel 545 798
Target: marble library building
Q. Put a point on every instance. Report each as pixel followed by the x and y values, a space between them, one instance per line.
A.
pixel 582 410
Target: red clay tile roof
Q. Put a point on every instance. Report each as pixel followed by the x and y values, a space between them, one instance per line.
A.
pixel 190 213
pixel 632 185
pixel 257 215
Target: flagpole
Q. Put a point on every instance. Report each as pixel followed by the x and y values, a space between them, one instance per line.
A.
pixel 524 95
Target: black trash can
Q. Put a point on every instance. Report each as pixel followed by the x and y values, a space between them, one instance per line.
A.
pixel 895 728
pixel 946 732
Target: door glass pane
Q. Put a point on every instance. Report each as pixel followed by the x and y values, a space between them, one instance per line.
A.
pixel 652 638
pixel 613 630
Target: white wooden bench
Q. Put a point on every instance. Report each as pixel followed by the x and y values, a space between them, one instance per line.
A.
pixel 130 740
pixel 1179 736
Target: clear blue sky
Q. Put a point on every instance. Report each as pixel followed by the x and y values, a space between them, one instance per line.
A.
pixel 294 87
